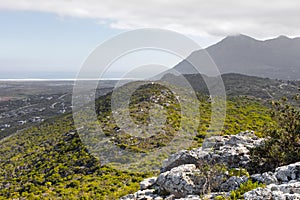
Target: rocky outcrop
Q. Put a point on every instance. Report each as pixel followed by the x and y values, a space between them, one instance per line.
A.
pixel 267 178
pixel 180 174
pixel 288 173
pixel 148 182
pixel 142 195
pixel 233 151
pixel 185 175
pixel 181 181
pixel 284 183
pixel 275 192
pixel 282 174
pixel 233 183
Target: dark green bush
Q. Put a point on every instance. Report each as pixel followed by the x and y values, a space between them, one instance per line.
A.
pixel 282 145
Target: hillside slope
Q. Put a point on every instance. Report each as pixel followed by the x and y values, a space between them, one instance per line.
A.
pixel 242 85
pixel 49 161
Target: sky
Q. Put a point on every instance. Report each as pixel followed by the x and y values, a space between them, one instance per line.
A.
pixel 42 38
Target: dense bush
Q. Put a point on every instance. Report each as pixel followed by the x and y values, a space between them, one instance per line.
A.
pixel 282 145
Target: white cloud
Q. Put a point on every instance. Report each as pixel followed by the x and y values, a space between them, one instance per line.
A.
pixel 261 19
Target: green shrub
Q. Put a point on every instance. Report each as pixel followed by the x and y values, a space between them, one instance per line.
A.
pixel 244 187
pixel 220 198
pixel 238 172
pixel 208 174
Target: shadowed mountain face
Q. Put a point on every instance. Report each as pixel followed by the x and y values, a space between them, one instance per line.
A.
pixel 277 58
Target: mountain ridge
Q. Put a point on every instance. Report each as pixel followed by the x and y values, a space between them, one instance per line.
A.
pixel 275 58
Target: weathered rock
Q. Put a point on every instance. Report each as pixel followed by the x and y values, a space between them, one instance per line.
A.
pixel 184 157
pixel 267 178
pixel 233 183
pixel 232 151
pixel 188 179
pixel 191 197
pixel 147 183
pixel 275 192
pixel 282 174
pixel 129 197
pixel 144 193
pixel 180 181
pixel 258 194
pixel 170 197
pixel 288 173
pixel 148 194
pixel 214 195
pixel 284 183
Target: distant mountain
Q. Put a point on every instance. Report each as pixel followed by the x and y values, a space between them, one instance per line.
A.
pixel 277 58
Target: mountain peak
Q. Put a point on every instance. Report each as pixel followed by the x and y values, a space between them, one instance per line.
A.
pixel 273 58
pixel 283 37
pixel 239 37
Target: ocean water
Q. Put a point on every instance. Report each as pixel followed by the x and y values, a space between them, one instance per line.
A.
pixel 55 76
pixel 37 75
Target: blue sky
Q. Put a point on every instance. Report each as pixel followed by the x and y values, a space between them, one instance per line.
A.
pixel 43 45
pixel 43 42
